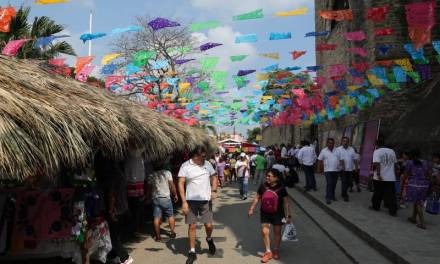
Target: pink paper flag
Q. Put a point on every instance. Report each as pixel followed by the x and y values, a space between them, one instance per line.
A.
pixel 57 62
pixel 84 73
pixel 321 80
pixel 11 49
pixel 355 36
pixel 359 51
pixel 113 79
pixel 337 70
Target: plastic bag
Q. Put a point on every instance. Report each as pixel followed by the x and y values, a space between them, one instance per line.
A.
pixel 98 242
pixel 289 234
pixel 432 204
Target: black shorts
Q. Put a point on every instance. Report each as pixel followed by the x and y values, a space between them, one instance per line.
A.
pixel 273 219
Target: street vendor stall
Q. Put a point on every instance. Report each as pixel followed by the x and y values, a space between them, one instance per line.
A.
pixel 51 127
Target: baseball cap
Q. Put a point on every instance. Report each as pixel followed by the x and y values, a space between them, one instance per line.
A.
pixel 243 154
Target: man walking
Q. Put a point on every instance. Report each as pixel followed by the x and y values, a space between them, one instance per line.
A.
pixel 242 170
pixel 260 165
pixel 201 181
pixel 348 160
pixel 384 160
pixel 330 159
pixel 307 158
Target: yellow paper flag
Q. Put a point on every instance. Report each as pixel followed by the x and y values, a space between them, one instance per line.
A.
pixel 48 2
pixel 296 12
pixel 183 87
pixel 274 55
pixel 405 64
pixel 109 57
pixel 374 80
pixel 262 76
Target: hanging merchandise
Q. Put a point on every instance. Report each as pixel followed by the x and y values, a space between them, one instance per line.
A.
pixel 160 23
pixel 338 15
pixel 358 51
pixel 88 36
pixel 251 15
pixel 109 57
pixel 280 36
pixel 337 70
pixel 355 36
pixel 377 14
pixel 325 47
pixel 209 45
pixel 249 38
pixel 12 47
pixel 6 15
pixel 379 32
pixel 421 18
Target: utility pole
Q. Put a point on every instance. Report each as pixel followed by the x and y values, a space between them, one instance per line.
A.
pixel 90 31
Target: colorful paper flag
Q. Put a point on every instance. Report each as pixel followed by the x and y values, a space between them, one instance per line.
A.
pixel 377 14
pixel 245 72
pixel 238 58
pixel 209 63
pixel 12 47
pixel 355 36
pixel 251 15
pixel 325 47
pixel 132 28
pixel 194 27
pixel 48 2
pixel 6 15
pixel 274 55
pixel 297 54
pixel 109 57
pixel 160 23
pixel 358 51
pixel 88 36
pixel 384 48
pixel 378 32
pixel 250 38
pixel 296 12
pixel 318 34
pixel 338 15
pixel 209 45
pixel 56 62
pixel 280 36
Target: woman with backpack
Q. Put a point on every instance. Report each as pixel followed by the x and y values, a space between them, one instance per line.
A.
pixel 274 210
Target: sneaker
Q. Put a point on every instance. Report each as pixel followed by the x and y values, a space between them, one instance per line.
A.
pixel 130 260
pixel 211 245
pixel 266 257
pixel 328 202
pixel 191 258
pixel 276 254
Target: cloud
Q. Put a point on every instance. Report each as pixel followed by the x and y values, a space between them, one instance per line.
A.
pixel 87 3
pixel 226 36
pixel 234 7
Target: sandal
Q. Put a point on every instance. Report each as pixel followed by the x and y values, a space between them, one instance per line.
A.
pixel 412 220
pixel 421 226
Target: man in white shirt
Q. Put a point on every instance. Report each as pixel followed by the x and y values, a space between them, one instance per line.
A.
pixel 307 158
pixel 242 170
pixel 200 180
pixel 329 158
pixel 348 160
pixel 384 161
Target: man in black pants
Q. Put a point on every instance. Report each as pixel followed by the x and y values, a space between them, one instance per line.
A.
pixel 384 161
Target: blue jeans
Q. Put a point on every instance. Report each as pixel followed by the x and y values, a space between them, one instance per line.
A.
pixel 310 177
pixel 332 179
pixel 244 182
pixel 162 206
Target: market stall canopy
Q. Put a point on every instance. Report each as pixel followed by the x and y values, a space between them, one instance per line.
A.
pixel 48 122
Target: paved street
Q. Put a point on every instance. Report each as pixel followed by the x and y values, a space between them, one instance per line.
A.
pixel 238 239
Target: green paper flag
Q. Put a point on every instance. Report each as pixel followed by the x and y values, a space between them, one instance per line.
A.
pixel 180 50
pixel 219 78
pixel 201 26
pixel 204 86
pixel 415 76
pixel 238 58
pixel 240 81
pixel 141 58
pixel 209 63
pixel 251 15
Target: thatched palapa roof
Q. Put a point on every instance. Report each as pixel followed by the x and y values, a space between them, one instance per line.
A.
pixel 48 121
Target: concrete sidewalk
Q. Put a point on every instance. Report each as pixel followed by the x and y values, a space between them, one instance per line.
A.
pixel 394 237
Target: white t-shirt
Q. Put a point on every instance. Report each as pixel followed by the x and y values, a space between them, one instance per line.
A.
pixel 307 156
pixel 281 168
pixel 331 159
pixel 160 182
pixel 284 152
pixel 291 152
pixel 244 171
pixel 387 159
pixel 348 155
pixel 197 179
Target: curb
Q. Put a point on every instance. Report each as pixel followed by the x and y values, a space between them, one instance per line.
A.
pixel 333 239
pixel 384 250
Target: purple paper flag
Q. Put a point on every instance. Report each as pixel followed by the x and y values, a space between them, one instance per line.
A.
pixel 209 45
pixel 245 72
pixel 179 62
pixel 424 70
pixel 160 23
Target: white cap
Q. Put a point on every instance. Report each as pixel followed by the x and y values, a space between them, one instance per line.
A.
pixel 243 154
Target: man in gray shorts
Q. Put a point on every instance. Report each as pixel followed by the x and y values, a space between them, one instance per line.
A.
pixel 200 180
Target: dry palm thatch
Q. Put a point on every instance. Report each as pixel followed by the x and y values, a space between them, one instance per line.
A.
pixel 48 121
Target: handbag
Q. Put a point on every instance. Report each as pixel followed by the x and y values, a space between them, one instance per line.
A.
pixel 289 234
pixel 433 204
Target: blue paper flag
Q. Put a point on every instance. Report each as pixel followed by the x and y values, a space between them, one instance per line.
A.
pixel 250 38
pixel 318 34
pixel 341 84
pixel 172 81
pixel 88 36
pixel 384 48
pixel 436 45
pixel 355 73
pixel 294 68
pixel 374 92
pixel 380 73
pixel 127 29
pixel 44 41
pixel 109 69
pixel 159 64
pixel 399 74
pixel 280 36
pixel 270 68
pixel 415 54
pixel 131 69
pixel 314 68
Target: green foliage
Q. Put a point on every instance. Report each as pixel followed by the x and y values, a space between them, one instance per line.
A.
pixel 253 133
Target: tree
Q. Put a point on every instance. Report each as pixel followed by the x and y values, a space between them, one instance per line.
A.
pixel 147 46
pixel 253 133
pixel 41 27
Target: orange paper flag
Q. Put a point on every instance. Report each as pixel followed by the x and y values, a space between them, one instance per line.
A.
pixel 339 15
pixel 82 61
pixel 6 15
pixel 297 54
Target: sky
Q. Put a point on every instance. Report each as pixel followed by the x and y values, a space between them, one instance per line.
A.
pixel 110 14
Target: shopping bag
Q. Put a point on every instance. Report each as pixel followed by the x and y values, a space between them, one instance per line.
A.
pixel 433 204
pixel 289 234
